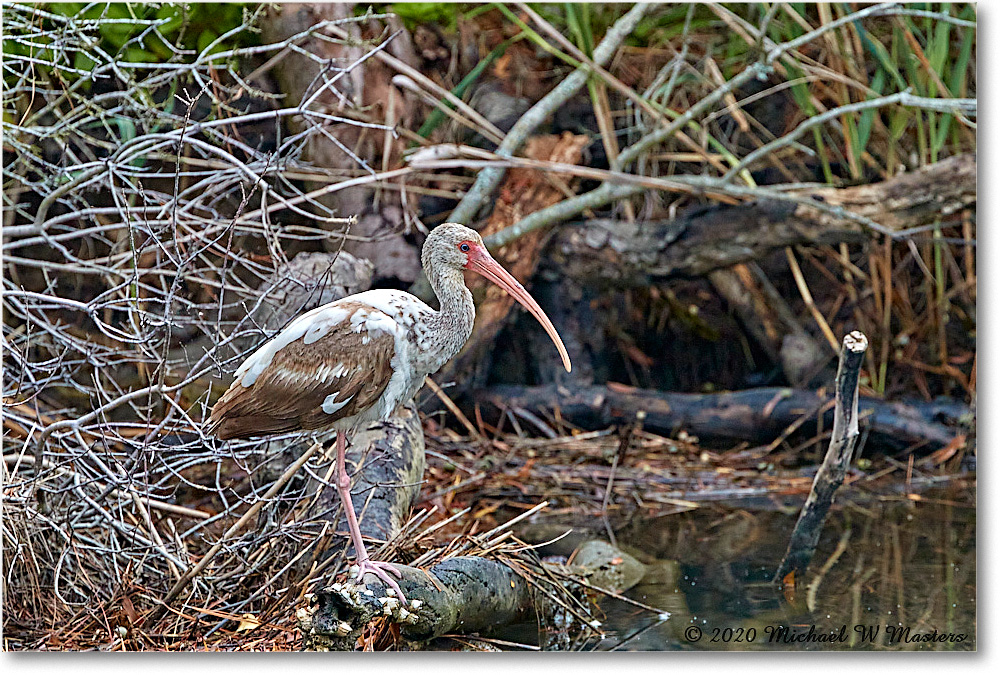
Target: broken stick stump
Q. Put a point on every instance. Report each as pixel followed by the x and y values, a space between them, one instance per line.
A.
pixel 831 474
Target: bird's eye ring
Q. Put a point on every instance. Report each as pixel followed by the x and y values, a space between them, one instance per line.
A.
pixel 464 248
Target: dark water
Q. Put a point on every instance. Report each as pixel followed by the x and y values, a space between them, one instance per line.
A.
pixel 894 572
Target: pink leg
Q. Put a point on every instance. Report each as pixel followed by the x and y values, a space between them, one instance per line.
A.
pixel 382 570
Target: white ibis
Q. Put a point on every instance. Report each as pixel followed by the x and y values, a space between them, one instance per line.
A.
pixel 351 362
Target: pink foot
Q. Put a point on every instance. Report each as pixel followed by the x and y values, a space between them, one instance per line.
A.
pixel 383 571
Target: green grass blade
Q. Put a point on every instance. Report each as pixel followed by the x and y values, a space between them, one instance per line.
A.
pixel 437 117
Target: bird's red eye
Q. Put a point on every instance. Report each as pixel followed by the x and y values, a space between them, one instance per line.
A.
pixel 464 248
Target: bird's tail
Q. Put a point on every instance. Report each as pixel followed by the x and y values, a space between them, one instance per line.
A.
pixel 229 428
pixel 212 426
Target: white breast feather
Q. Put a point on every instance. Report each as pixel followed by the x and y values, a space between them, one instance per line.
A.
pixel 400 383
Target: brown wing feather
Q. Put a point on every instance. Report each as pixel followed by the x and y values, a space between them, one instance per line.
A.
pixel 289 394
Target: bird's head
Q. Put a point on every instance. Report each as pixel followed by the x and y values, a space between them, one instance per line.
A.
pixel 455 246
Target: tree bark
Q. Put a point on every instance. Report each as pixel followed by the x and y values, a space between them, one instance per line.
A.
pixel 615 254
pixel 805 536
pixel 754 415
pixel 365 93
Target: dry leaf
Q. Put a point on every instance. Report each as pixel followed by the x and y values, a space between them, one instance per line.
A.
pixel 129 608
pixel 788 589
pixel 248 622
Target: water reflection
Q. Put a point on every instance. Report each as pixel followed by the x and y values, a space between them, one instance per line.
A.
pixel 891 573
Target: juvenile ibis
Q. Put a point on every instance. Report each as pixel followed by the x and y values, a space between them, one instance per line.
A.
pixel 350 363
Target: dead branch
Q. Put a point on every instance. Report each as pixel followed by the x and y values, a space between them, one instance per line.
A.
pixel 754 415
pixel 805 536
pixel 621 255
pixel 488 179
pixel 466 595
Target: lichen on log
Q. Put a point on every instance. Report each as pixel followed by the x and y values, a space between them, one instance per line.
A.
pixel 464 594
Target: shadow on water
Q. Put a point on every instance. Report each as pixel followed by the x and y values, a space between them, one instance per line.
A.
pixel 896 573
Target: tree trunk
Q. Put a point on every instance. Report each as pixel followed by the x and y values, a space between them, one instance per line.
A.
pixel 368 87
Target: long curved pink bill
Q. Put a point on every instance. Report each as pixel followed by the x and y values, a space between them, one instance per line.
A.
pixel 485 265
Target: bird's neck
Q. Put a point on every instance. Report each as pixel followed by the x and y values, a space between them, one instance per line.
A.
pixel 450 327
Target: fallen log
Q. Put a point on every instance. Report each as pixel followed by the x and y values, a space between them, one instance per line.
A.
pixel 392 462
pixel 462 595
pixel 618 254
pixel 752 415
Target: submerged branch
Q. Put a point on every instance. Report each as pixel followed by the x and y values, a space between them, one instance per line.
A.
pixel 831 474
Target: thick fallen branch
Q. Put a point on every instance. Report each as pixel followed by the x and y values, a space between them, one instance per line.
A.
pixel 461 595
pixel 752 415
pixel 384 489
pixel 619 254
pixel 490 178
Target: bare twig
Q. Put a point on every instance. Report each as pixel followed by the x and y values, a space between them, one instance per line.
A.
pixel 488 179
pixel 905 98
pixel 239 524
